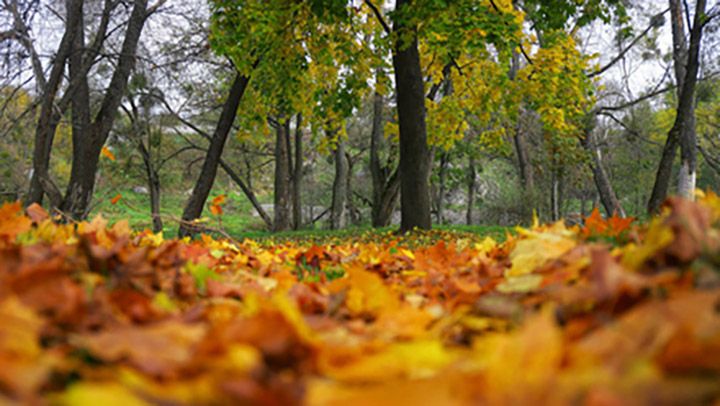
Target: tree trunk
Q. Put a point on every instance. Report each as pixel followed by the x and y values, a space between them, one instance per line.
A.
pixel 414 153
pixel 604 188
pixel 526 173
pixel 685 119
pixel 554 195
pixel 471 184
pixel 282 196
pixel 155 205
pixel 441 187
pixel 388 202
pixel 353 215
pixel 291 172
pixel 201 191
pixel 247 190
pixel 377 171
pixel 82 179
pixel 338 217
pixel 680 60
pixel 84 165
pixel 297 175
pixel 385 186
pixel 49 117
pixel 153 186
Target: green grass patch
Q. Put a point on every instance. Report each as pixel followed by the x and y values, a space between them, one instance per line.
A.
pixel 239 223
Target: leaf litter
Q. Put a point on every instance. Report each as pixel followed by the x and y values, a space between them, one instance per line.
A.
pixel 613 312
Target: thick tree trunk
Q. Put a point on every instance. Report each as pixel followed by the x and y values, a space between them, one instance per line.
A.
pixel 414 153
pixel 680 60
pixel 525 169
pixel 84 165
pixel 663 174
pixel 471 185
pixel 49 117
pixel 297 175
pixel 201 191
pixel 82 179
pixel 388 202
pixel 338 214
pixel 685 119
pixel 282 193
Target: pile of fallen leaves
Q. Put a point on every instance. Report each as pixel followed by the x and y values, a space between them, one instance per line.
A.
pixel 607 313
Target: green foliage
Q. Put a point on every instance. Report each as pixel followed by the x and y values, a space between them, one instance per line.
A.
pixel 550 15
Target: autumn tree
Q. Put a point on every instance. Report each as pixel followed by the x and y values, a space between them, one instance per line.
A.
pixel 90 130
pixel 308 61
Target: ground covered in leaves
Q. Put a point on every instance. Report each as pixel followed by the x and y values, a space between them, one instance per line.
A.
pixel 607 313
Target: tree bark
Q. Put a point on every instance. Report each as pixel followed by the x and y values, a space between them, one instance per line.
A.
pixel 84 168
pixel 526 173
pixel 282 193
pixel 389 201
pixel 49 117
pixel 338 214
pixel 201 191
pixel 602 182
pixel 471 185
pixel 439 205
pixel 353 215
pixel 385 185
pixel 685 119
pixel 153 185
pixel 414 152
pixel 297 175
pixel 554 195
pixel 680 60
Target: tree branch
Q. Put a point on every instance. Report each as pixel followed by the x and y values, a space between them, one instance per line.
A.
pixel 655 22
pixel 379 16
pixel 636 101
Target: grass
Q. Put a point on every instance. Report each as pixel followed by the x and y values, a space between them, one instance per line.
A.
pixel 238 222
pixel 135 207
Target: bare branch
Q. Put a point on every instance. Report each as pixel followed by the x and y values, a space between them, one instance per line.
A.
pixel 654 23
pixel 379 16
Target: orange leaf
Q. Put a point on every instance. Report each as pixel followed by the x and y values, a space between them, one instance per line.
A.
pixel 12 221
pixel 116 199
pixel 105 151
pixel 618 224
pixel 594 224
pixel 219 200
pixel 216 205
pixel 36 213
pixel 216 209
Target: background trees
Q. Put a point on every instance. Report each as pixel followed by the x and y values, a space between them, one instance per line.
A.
pixel 328 113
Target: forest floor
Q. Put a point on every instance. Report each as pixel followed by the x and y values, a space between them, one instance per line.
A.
pixel 240 222
pixel 613 312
